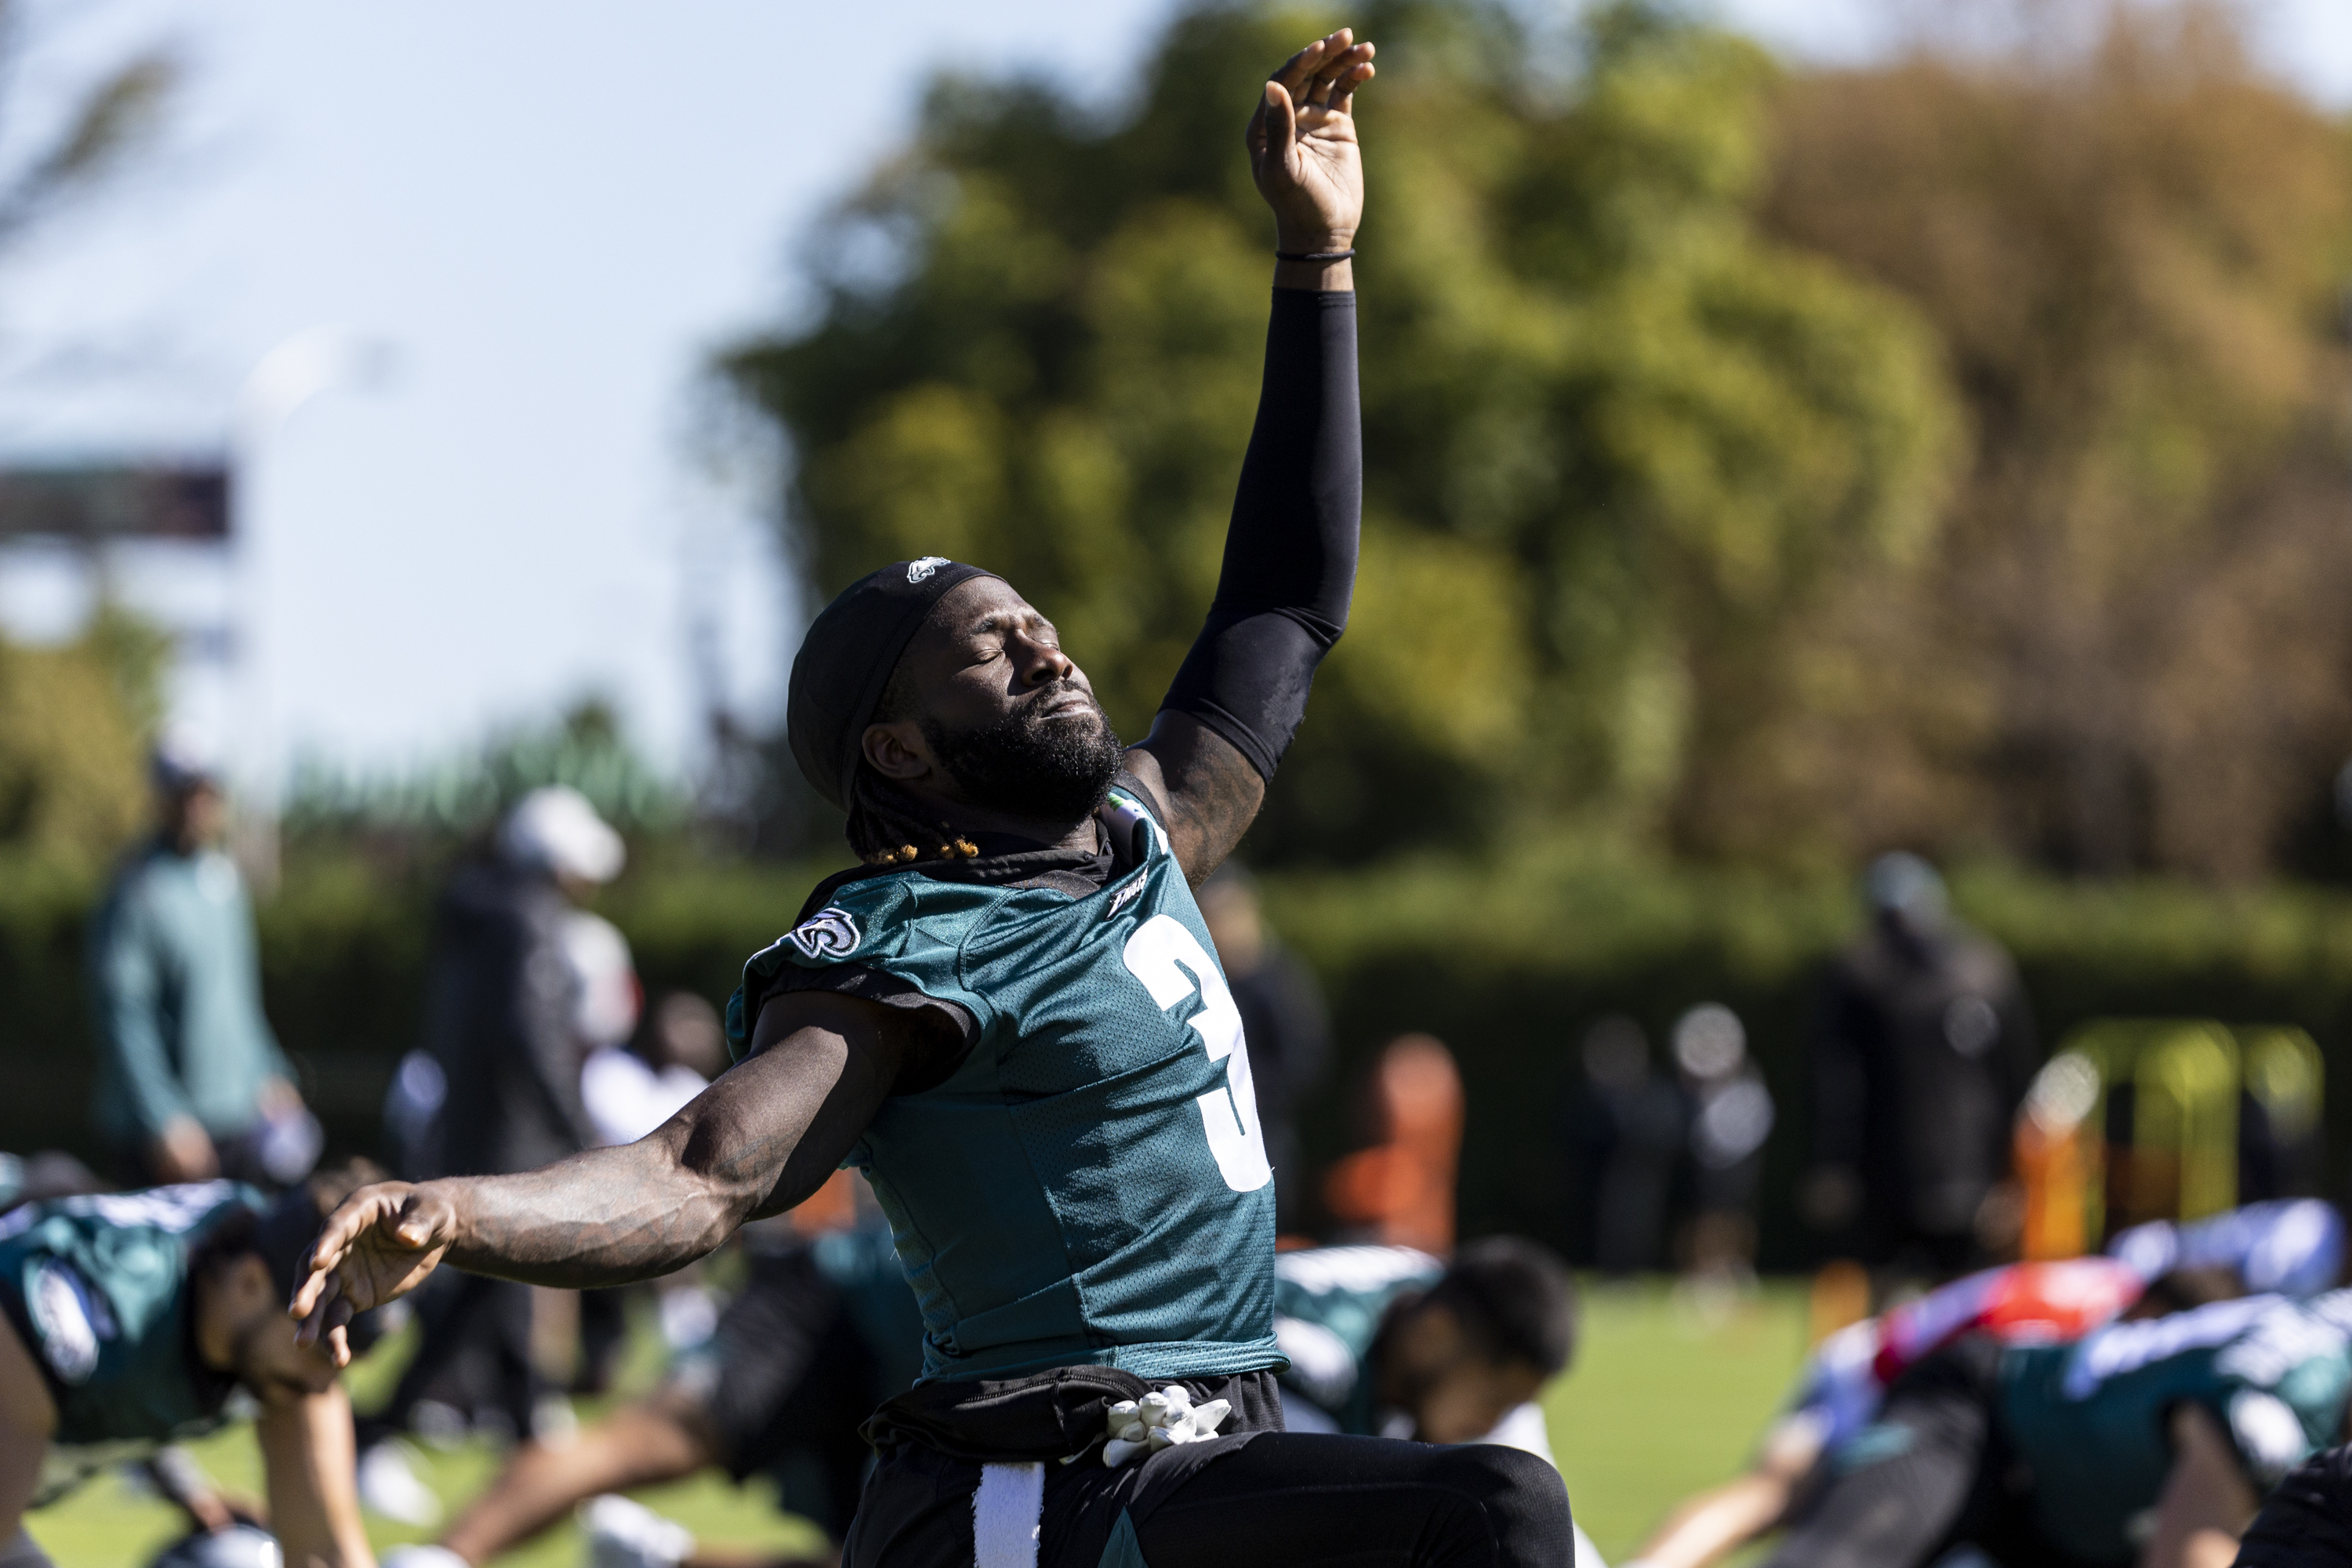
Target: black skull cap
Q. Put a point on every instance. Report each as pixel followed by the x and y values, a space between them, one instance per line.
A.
pixel 847 657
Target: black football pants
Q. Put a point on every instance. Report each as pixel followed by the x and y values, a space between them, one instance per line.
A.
pixel 1305 1499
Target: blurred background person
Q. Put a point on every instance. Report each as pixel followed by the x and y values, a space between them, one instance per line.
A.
pixel 1730 1115
pixel 635 1083
pixel 1389 1341
pixel 191 1083
pixel 1921 1052
pixel 1399 1191
pixel 642 1068
pixel 1284 1021
pixel 1628 1131
pixel 504 999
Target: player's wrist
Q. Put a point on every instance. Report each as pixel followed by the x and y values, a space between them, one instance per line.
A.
pixel 445 1206
pixel 1311 239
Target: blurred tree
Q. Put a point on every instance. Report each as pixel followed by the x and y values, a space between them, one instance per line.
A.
pixel 416 817
pixel 75 719
pixel 73 726
pixel 1616 442
pixel 2132 650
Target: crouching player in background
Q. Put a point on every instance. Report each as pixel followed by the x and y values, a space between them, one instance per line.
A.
pixel 2293 1248
pixel 824 1330
pixel 1389 1341
pixel 2149 1443
pixel 130 1320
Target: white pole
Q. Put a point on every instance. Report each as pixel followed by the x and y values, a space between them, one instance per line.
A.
pixel 317 360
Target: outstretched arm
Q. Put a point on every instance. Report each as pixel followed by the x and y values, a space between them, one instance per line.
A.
pixel 314 1506
pixel 1290 554
pixel 764 1137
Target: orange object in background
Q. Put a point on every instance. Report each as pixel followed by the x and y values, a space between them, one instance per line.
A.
pixel 1400 1191
pixel 2052 1165
pixel 1839 1298
pixel 833 1206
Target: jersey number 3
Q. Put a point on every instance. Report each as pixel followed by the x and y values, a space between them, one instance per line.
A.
pixel 1159 954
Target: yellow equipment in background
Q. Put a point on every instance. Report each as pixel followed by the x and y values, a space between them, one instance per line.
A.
pixel 2137 1119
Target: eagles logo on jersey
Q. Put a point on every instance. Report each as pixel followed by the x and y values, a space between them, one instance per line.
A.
pixel 830 933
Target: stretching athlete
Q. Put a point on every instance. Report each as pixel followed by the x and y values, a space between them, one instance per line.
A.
pixel 1010 1018
pixel 127 1321
pixel 2292 1248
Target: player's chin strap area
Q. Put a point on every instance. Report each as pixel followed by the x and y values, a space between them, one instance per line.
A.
pixel 1009 1503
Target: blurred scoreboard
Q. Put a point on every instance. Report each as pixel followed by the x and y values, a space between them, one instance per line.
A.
pixel 95 503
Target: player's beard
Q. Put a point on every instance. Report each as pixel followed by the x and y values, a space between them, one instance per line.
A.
pixel 1026 764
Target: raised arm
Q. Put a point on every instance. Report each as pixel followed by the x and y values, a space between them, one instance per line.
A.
pixel 1290 554
pixel 756 1142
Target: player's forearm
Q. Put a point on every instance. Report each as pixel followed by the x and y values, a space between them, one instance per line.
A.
pixel 609 1217
pixel 307 1453
pixel 1289 568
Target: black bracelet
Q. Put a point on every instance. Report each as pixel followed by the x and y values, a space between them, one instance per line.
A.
pixel 1347 255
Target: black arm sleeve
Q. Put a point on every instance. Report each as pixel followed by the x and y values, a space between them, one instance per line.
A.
pixel 1290 554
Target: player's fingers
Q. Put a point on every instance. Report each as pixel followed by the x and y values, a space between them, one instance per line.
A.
pixel 1294 72
pixel 1281 128
pixel 1332 71
pixel 340 1345
pixel 317 1270
pixel 1344 101
pixel 311 1317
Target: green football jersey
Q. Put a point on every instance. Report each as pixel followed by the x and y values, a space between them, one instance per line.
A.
pixel 1089 1185
pixel 98 1290
pixel 2089 1420
pixel 1328 1306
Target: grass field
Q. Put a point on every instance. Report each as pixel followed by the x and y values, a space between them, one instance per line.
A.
pixel 1661 1399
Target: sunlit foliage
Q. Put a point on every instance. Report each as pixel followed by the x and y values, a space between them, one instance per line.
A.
pixel 1615 439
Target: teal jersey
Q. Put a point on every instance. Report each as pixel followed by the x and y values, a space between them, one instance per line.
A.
pixel 98 1290
pixel 1089 1185
pixel 1328 1302
pixel 2089 1419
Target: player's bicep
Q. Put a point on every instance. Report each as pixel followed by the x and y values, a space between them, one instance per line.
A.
pixel 1211 791
pixel 780 1122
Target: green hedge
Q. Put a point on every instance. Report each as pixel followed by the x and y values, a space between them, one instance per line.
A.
pixel 1509 964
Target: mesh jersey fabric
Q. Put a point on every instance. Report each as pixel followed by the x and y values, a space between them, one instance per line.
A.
pixel 1089 1185
pixel 2089 1419
pixel 98 1290
pixel 1328 1306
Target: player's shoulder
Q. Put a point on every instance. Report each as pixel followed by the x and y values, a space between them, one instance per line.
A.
pixel 863 917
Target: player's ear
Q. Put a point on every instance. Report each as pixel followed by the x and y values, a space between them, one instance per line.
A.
pixel 897 750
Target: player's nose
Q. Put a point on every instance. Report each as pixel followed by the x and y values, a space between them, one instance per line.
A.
pixel 1042 664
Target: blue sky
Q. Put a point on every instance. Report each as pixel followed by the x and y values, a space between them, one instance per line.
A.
pixel 549 212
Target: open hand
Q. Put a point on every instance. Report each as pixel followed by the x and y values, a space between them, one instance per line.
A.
pixel 378 1245
pixel 1302 143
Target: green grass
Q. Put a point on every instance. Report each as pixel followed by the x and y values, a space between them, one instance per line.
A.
pixel 1662 1400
